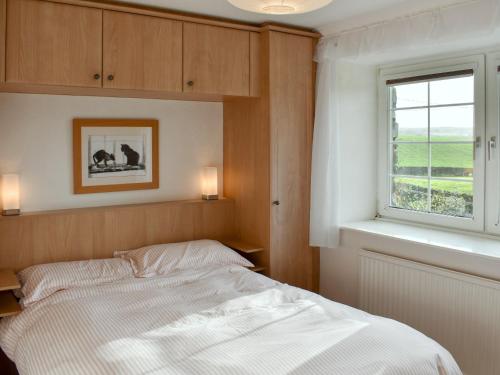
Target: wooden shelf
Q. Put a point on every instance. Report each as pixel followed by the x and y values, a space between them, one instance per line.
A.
pixel 243 247
pixel 8 280
pixel 8 304
pixel 257 269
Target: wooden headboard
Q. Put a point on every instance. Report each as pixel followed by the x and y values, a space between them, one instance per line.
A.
pixel 89 233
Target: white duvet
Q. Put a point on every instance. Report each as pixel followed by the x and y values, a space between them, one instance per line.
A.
pixel 214 320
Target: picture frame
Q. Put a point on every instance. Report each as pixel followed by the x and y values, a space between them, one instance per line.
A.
pixel 111 155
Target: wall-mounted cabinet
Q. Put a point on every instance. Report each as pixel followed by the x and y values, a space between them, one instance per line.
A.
pixel 67 45
pixel 141 52
pixel 216 60
pixel 53 44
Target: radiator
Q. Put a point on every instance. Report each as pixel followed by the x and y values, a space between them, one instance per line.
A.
pixel 460 311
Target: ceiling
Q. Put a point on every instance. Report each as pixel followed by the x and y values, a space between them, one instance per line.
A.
pixel 323 19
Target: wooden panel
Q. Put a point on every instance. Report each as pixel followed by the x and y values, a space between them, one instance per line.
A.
pixel 96 232
pixel 291 113
pixel 50 43
pixel 216 60
pixel 142 52
pixel 3 36
pixel 255 64
pixel 246 170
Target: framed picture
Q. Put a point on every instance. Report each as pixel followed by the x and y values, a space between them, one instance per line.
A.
pixel 115 155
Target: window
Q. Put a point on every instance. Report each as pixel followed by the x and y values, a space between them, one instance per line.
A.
pixel 432 125
pixel 432 144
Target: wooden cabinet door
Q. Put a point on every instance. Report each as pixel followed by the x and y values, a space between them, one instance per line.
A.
pixel 216 60
pixel 55 44
pixel 291 91
pixel 142 52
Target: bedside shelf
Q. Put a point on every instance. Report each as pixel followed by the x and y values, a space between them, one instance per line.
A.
pixel 8 280
pixel 8 304
pixel 257 269
pixel 243 247
pixel 247 249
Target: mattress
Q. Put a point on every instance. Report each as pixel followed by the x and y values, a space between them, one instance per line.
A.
pixel 211 320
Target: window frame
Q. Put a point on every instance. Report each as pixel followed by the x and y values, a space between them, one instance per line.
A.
pixel 492 196
pixel 477 64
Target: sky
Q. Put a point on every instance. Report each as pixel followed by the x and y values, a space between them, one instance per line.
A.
pixel 443 120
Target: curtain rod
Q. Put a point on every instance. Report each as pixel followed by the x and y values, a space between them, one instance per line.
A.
pixel 405 17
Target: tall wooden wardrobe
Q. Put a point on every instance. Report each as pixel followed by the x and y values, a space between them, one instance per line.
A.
pixel 267 157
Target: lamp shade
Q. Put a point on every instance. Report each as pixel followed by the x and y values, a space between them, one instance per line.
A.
pixel 210 183
pixel 10 194
pixel 280 6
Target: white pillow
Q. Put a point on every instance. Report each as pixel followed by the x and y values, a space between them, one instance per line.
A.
pixel 161 259
pixel 43 280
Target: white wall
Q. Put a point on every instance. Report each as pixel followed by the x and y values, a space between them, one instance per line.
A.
pixel 36 142
pixel 357 115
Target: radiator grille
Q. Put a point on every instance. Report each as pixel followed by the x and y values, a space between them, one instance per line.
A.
pixel 460 311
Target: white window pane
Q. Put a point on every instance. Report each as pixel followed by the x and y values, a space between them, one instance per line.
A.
pixel 410 95
pixel 409 193
pixel 454 198
pixel 452 123
pixel 452 160
pixel 452 91
pixel 410 159
pixel 410 125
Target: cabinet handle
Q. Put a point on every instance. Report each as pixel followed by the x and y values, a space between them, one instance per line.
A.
pixel 97 76
pixel 276 203
pixel 190 83
pixel 111 77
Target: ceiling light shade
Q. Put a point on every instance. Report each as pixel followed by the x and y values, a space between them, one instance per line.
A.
pixel 280 6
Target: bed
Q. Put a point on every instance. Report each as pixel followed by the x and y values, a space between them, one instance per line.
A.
pixel 211 319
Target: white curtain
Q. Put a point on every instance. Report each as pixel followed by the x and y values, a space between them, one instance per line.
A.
pixel 467 20
pixel 325 182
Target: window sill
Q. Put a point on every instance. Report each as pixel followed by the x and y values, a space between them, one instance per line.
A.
pixel 466 243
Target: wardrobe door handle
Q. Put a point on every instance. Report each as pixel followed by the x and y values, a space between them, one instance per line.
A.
pixel 111 77
pixel 276 203
pixel 97 76
pixel 190 83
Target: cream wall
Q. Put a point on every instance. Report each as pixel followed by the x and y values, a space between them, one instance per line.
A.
pixel 36 142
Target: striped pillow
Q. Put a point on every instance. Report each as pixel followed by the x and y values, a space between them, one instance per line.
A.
pixel 43 280
pixel 161 259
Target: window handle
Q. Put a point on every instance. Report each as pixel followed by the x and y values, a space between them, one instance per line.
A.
pixel 477 145
pixel 492 144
